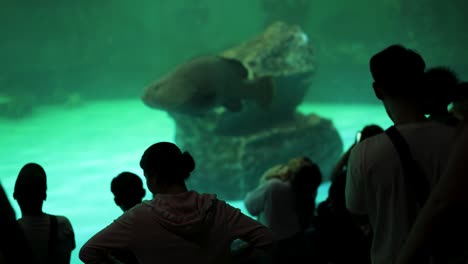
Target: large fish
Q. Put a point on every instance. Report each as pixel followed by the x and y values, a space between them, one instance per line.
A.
pixel 204 83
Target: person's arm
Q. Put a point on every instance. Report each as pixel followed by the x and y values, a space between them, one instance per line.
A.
pixel 116 236
pixel 258 238
pixel 255 200
pixel 67 240
pixel 448 195
pixel 14 247
pixel 355 189
pixel 342 162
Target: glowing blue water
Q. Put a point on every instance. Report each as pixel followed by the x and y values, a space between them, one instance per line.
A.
pixel 83 148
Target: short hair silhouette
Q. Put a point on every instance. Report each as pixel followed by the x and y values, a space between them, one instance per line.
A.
pixel 398 70
pixel 165 160
pixel 370 131
pixel 31 187
pixel 440 84
pixel 128 190
pixel 297 163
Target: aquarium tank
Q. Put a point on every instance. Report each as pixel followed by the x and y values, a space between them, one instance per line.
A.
pixel 87 86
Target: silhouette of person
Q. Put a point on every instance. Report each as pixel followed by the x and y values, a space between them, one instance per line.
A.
pixel 441 85
pixel 178 225
pixel 443 219
pixel 341 239
pixel 377 188
pixel 367 132
pixel 128 190
pixel 51 237
pixel 285 199
pixel 13 245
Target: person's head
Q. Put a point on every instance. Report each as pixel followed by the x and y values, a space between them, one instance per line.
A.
pixel 164 165
pixel 128 190
pixel 297 163
pixel 30 189
pixel 397 72
pixel 279 171
pixel 369 131
pixel 440 85
pixel 306 179
pixel 305 182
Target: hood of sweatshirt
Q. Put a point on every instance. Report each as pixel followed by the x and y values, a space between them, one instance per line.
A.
pixel 185 214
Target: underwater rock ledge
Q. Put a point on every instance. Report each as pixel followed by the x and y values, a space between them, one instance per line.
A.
pixel 233 149
pixel 284 52
pixel 230 166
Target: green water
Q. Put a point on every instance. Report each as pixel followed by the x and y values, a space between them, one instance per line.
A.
pixel 102 53
pixel 83 148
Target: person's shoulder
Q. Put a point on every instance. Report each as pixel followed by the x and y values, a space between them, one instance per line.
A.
pixel 224 206
pixel 444 132
pixel 367 154
pixel 422 135
pixel 374 141
pixel 279 185
pixel 61 219
pixel 376 147
pixel 428 127
pixel 65 231
pixel 369 146
pixel 137 211
pixel 64 223
pixel 274 185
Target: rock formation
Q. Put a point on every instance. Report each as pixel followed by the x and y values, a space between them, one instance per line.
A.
pixel 232 165
pixel 232 150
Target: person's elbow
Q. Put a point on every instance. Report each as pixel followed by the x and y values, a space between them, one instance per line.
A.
pixel 261 246
pixel 84 254
pixel 264 247
pixel 252 205
pixel 251 209
pixel 90 255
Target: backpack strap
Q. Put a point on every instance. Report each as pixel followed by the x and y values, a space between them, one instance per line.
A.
pixel 414 176
pixel 52 239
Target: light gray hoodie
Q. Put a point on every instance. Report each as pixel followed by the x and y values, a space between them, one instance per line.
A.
pixel 183 228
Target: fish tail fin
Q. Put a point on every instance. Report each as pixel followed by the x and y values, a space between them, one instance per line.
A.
pixel 264 91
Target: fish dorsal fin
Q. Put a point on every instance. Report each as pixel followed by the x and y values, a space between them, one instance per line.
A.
pixel 238 67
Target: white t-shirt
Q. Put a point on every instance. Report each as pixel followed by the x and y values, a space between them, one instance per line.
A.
pixel 375 185
pixel 37 230
pixel 273 203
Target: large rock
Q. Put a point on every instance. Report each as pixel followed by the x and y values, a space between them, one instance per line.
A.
pixel 232 165
pixel 284 52
pixel 233 149
pixel 281 50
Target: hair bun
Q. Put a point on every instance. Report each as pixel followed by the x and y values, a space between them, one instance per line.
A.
pixel 188 164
